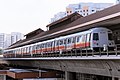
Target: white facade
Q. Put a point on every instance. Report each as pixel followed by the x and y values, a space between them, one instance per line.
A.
pixel 7 39
pixel 87 8
pixel 117 1
pixel 2 40
pixel 58 16
pixel 82 8
pixel 16 36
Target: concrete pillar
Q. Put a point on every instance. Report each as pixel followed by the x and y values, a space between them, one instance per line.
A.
pixel 60 79
pixel 2 77
pixel 113 78
pixel 118 78
pixel 70 75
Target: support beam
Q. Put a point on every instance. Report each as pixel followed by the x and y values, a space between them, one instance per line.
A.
pixel 70 75
pixel 59 79
pixel 113 78
pixel 2 77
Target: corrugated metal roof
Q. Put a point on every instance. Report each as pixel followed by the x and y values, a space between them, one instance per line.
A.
pixel 76 15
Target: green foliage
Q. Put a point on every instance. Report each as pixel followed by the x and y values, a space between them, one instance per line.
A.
pixel 1 51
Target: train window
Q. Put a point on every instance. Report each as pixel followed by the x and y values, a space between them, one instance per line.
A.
pixel 78 38
pixel 29 48
pixel 23 50
pixel 83 38
pixel 64 41
pixel 57 43
pixel 45 45
pixel 110 36
pixel 61 42
pixel 14 51
pixel 117 33
pixel 42 45
pixel 73 40
pixel 88 37
pixel 69 40
pixel 34 47
pixel 95 36
pixel 38 46
pixel 49 44
pixel 53 44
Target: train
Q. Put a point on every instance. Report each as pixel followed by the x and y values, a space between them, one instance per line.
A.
pixel 94 39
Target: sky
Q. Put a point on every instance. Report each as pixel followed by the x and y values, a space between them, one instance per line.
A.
pixel 25 16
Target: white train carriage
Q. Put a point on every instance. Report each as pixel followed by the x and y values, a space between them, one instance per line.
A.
pixel 101 37
pixel 8 53
pixel 92 39
pixel 44 47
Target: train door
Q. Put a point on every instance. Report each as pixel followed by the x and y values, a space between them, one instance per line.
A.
pixel 49 47
pixel 88 36
pixel 62 45
pixel 56 45
pixel 53 46
pixel 83 43
pixel 68 47
pixel 95 40
pixel 78 41
pixel 27 50
pixel 99 39
pixel 45 47
pixel 37 48
pixel 42 46
pixel 71 43
pixel 103 38
pixel 30 50
pixel 34 49
pixel 111 42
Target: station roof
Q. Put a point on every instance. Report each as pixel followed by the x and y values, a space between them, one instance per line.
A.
pixel 106 17
pixel 33 33
pixel 64 21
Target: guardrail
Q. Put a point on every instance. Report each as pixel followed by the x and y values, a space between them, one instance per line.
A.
pixel 82 53
pixel 74 52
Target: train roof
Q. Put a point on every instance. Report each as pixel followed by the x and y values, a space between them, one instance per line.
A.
pixel 99 28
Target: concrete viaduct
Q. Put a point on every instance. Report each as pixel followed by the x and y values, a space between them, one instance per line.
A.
pixel 104 65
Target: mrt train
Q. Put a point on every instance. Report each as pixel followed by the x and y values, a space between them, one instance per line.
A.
pixel 92 39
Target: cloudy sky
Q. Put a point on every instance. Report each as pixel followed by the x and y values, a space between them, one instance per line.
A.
pixel 27 15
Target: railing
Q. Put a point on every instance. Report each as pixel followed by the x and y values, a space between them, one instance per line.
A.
pixel 82 53
pixel 74 52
